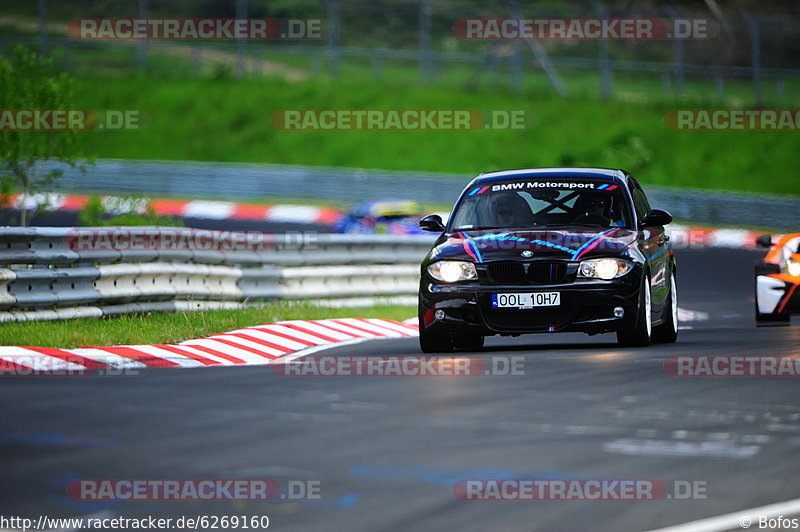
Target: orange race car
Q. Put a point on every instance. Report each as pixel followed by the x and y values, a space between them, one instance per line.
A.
pixel 777 280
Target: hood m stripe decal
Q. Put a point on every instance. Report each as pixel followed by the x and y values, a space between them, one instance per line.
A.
pixel 591 244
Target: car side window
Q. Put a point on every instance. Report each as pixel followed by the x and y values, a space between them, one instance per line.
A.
pixel 640 202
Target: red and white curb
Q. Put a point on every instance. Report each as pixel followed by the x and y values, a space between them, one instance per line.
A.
pixel 684 236
pixel 211 210
pixel 250 346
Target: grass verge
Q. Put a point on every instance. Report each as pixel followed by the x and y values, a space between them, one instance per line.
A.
pixel 230 121
pixel 170 328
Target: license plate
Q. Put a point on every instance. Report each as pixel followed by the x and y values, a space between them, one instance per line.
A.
pixel 526 300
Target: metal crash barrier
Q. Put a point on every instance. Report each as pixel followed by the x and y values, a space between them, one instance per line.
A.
pixel 49 273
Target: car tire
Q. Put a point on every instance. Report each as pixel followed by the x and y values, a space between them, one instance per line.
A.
pixel 432 341
pixel 667 332
pixel 640 335
pixel 772 320
pixel 471 342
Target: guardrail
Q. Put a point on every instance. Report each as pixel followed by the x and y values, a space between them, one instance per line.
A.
pixel 209 180
pixel 60 273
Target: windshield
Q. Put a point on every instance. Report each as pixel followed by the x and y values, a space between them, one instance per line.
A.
pixel 534 204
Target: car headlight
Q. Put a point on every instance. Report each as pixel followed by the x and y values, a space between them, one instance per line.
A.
pixel 604 268
pixel 793 267
pixel 451 271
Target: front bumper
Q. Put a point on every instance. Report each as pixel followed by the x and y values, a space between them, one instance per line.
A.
pixel 586 306
pixel 777 294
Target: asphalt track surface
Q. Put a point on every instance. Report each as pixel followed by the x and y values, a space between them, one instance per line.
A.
pixel 387 450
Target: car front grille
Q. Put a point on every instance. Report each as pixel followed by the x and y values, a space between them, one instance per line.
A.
pixel 527 273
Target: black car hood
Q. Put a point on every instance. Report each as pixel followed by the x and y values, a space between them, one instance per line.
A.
pixel 564 244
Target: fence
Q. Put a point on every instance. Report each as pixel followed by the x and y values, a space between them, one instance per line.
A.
pixel 49 273
pixel 415 38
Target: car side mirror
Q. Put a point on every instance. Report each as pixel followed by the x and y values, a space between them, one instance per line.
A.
pixel 432 222
pixel 764 241
pixel 656 217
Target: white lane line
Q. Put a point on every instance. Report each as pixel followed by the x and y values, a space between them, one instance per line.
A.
pixel 739 520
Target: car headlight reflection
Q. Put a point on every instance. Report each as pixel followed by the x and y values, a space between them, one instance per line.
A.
pixel 604 268
pixel 451 271
pixel 793 267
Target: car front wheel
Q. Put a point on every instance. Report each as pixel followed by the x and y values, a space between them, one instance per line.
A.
pixel 433 341
pixel 470 342
pixel 667 332
pixel 640 334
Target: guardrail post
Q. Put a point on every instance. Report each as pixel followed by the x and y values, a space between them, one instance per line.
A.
pixel 197 62
pixel 67 56
pixel 719 85
pixel 377 64
pixel 666 82
pixel 516 71
pixel 755 38
pixel 602 61
pixel 425 59
pixel 42 6
pixel 241 44
pixel 677 53
pixel 332 10
pixel 144 46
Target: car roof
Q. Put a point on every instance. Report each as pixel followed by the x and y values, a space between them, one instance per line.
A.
pixel 611 174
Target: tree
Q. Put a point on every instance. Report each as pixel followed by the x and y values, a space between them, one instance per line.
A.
pixel 30 83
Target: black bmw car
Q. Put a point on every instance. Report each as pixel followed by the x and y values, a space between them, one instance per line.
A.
pixel 549 250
